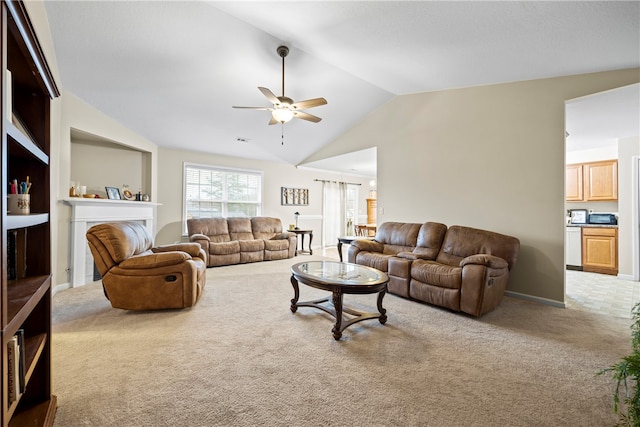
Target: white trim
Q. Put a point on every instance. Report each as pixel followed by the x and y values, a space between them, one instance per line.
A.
pixel 635 218
pixel 60 287
pixel 87 212
pixel 540 300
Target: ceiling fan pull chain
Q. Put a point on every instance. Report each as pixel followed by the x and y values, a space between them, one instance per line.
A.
pixel 282 124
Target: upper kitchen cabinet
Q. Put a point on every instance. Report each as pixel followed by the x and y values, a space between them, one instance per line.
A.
pixel 573 181
pixel 593 181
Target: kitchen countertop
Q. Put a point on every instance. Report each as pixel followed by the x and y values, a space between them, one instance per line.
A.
pixel 594 225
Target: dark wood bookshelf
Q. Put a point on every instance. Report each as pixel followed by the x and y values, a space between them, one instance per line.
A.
pixel 25 240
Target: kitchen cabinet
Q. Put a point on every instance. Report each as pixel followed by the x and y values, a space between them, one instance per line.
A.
pixel 372 205
pixel 600 250
pixel 593 181
pixel 573 182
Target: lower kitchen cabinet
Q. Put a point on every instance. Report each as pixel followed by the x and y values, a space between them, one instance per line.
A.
pixel 600 250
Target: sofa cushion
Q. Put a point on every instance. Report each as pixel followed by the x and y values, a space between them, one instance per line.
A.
pixel 265 227
pixel 430 239
pixel 436 274
pixel 121 240
pixel 403 236
pixel 276 245
pixel 254 245
pixel 374 259
pixel 224 248
pixel 240 228
pixel 214 228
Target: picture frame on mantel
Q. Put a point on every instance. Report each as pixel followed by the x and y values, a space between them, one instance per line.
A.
pixel 113 193
pixel 294 196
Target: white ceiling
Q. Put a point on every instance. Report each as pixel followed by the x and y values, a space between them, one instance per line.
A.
pixel 599 120
pixel 171 70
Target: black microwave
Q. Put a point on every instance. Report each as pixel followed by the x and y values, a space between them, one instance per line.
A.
pixel 603 218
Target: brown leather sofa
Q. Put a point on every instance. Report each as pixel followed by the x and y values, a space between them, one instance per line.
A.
pixel 229 241
pixel 138 276
pixel 461 268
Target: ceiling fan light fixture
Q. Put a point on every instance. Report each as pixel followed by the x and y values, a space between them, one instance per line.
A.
pixel 284 108
pixel 282 115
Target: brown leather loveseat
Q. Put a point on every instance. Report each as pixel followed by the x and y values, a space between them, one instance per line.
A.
pixel 229 241
pixel 461 268
pixel 138 276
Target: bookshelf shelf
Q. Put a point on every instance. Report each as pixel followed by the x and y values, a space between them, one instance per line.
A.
pixel 23 221
pixel 25 291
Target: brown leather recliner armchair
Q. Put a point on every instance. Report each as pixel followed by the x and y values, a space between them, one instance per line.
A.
pixel 138 276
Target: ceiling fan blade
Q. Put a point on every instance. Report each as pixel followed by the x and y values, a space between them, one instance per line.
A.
pixel 255 108
pixel 273 121
pixel 270 96
pixel 309 103
pixel 306 116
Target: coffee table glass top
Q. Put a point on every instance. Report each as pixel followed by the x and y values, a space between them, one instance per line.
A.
pixel 339 273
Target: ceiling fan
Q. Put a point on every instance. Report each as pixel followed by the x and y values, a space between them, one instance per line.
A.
pixel 284 109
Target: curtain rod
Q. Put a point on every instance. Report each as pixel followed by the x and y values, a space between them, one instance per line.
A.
pixel 339 182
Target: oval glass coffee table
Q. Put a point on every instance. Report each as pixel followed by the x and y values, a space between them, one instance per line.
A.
pixel 339 278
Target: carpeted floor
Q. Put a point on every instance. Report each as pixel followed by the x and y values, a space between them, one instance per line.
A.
pixel 241 358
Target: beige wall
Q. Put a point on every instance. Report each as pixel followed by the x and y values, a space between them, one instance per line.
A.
pixel 275 175
pixel 490 157
pixel 96 166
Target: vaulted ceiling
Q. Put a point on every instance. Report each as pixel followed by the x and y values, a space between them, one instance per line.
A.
pixel 172 70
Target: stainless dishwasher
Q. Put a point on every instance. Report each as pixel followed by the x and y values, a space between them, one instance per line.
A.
pixel 573 248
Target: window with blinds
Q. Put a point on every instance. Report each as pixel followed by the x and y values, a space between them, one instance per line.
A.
pixel 211 192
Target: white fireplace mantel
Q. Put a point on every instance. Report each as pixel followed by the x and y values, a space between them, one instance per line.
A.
pixel 86 212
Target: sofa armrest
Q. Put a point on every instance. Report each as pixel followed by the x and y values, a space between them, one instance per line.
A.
pixel 193 249
pixel 489 261
pixel 283 236
pixel 368 245
pixel 155 260
pixel 196 237
pixel 413 256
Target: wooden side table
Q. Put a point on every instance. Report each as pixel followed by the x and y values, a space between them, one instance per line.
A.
pixel 302 233
pixel 347 241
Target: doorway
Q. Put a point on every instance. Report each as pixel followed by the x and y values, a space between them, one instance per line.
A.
pixel 599 127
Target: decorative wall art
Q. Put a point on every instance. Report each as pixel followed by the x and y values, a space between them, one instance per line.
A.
pixel 294 196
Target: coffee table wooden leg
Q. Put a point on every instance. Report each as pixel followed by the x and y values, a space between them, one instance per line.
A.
pixel 383 312
pixel 296 294
pixel 337 305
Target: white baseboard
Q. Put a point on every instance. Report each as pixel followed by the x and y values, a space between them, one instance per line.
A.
pixel 544 301
pixel 60 287
pixel 626 277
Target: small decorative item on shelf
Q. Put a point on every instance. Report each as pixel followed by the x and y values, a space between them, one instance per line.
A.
pixel 74 190
pixel 145 198
pixel 112 193
pixel 19 201
pixel 297 214
pixel 127 194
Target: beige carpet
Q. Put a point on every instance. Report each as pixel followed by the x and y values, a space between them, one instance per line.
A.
pixel 241 358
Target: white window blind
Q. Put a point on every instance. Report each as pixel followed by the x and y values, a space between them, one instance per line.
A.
pixel 211 192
